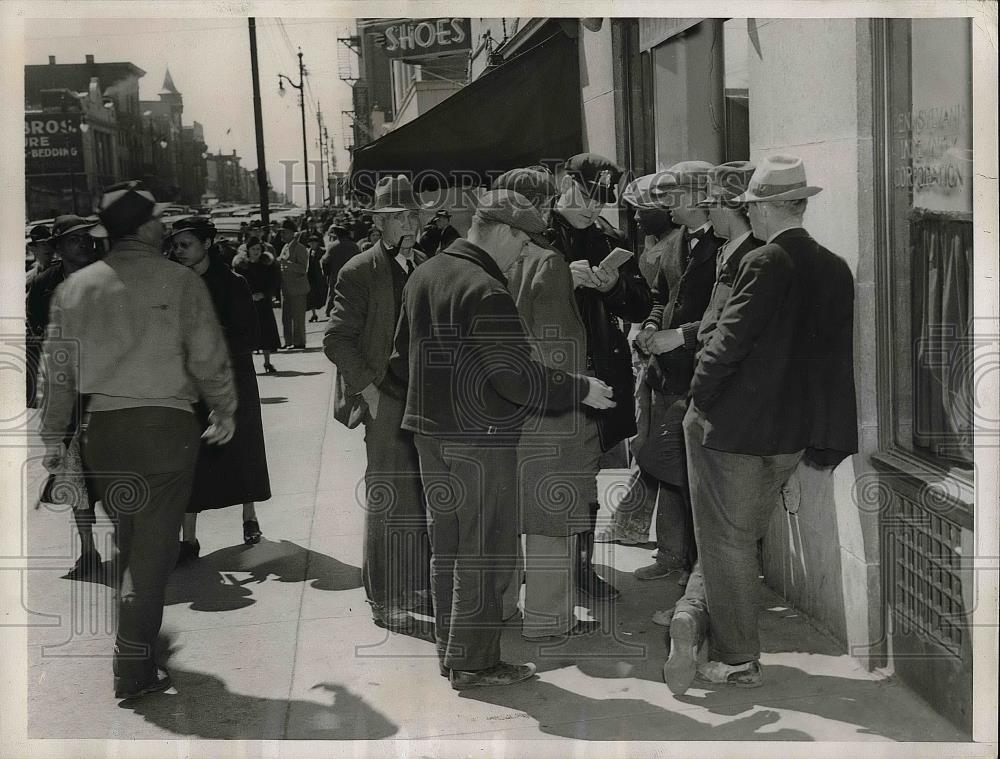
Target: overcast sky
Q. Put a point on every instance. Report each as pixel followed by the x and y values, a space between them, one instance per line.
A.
pixel 209 60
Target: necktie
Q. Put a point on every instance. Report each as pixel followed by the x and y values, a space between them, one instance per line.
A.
pixel 409 267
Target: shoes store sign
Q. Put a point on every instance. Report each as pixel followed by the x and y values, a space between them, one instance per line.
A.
pixel 417 38
pixel 52 144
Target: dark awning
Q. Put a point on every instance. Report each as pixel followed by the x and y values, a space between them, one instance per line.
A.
pixel 523 112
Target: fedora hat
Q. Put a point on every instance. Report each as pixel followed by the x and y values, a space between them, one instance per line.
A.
pixel 394 194
pixel 778 177
pixel 124 208
pixel 70 224
pixel 726 183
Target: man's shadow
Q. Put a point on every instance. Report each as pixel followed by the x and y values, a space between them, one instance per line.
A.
pixel 203 707
pixel 210 583
pixel 571 715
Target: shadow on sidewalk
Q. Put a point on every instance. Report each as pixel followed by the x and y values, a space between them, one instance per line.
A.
pixel 571 715
pixel 203 707
pixel 210 584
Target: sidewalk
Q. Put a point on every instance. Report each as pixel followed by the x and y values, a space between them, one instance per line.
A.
pixel 276 641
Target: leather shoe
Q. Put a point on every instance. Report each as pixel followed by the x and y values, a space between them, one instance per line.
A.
pixel 747 675
pixel 682 664
pixel 500 673
pixel 598 588
pixel 395 620
pixel 127 687
pixel 652 571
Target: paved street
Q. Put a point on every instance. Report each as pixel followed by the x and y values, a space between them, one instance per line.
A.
pixel 276 641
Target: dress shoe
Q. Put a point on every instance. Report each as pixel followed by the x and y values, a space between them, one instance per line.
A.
pixel 598 588
pixel 127 687
pixel 393 619
pixel 746 675
pixel 299 347
pixel 88 567
pixel 682 664
pixel 500 673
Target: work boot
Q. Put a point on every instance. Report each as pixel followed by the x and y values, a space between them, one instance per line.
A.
pixel 500 673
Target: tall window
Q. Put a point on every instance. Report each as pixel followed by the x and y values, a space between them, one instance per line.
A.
pixel 736 81
pixel 930 101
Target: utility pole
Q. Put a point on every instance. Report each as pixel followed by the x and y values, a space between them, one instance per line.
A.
pixel 258 120
pixel 302 108
pixel 319 128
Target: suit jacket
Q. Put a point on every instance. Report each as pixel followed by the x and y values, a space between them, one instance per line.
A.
pixel 294 262
pixel 359 335
pixel 723 288
pixel 776 375
pixel 462 352
pixel 681 292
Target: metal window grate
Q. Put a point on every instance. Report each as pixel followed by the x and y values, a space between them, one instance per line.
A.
pixel 925 589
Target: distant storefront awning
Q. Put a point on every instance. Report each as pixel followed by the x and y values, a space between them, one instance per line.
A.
pixel 523 112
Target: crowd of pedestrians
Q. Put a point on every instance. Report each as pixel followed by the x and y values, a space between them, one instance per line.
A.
pixel 494 371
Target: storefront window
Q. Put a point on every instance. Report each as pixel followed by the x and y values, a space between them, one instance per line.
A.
pixel 736 42
pixel 930 100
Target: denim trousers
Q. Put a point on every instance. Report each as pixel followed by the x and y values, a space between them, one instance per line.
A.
pixel 733 496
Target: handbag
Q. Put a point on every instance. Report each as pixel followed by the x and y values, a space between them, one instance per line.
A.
pixel 68 486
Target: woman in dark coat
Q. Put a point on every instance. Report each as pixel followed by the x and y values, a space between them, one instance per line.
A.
pixel 317 282
pixel 256 265
pixel 236 472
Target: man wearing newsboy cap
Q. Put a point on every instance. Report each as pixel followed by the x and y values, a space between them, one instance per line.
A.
pixel 138 336
pixel 604 297
pixel 773 385
pixel 461 350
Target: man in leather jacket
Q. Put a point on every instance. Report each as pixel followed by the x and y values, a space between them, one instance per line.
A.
pixel 587 182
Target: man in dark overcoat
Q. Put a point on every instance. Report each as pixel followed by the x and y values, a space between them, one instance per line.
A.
pixel 462 351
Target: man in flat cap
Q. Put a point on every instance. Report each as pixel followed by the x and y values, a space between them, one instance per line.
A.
pixel 681 293
pixel 367 298
pixel 463 354
pixel 142 342
pixel 773 386
pixel 605 298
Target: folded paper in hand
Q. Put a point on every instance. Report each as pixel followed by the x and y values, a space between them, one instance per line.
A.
pixel 615 259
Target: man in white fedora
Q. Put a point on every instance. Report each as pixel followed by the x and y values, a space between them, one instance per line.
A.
pixel 367 299
pixel 773 386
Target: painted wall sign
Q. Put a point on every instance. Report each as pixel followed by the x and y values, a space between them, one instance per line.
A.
pixel 53 144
